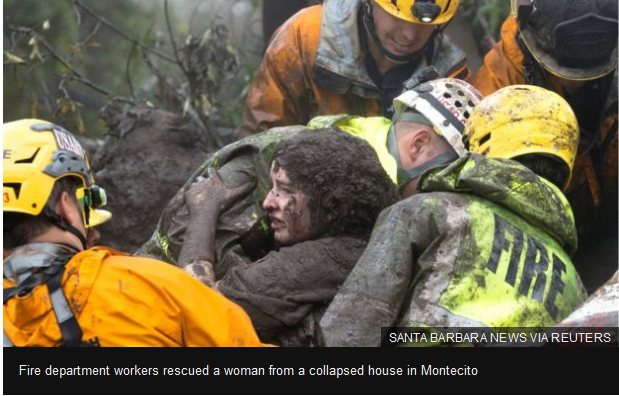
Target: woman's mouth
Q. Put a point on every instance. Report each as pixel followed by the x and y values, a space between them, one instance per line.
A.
pixel 277 224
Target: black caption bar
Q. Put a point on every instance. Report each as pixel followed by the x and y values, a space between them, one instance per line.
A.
pixel 311 371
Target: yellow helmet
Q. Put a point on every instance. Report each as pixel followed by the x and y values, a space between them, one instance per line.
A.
pixel 524 119
pixel 35 155
pixel 429 12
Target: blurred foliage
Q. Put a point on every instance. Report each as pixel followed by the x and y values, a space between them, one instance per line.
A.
pixel 486 18
pixel 495 12
pixel 65 60
pixel 33 89
pixel 244 34
pixel 63 64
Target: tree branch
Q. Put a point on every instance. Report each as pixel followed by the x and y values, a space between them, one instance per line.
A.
pixel 160 77
pixel 75 74
pixel 178 60
pixel 487 40
pixel 127 71
pixel 97 88
pixel 121 33
pixel 91 35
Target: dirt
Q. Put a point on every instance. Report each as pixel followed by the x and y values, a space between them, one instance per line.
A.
pixel 148 155
pixel 285 306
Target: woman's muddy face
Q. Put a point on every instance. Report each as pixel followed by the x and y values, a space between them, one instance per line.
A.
pixel 288 210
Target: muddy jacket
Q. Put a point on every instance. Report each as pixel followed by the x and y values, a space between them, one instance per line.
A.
pixel 120 301
pixel 315 65
pixel 593 189
pixel 486 243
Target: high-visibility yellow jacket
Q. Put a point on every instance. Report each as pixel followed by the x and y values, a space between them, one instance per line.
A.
pixel 120 300
pixel 593 189
pixel 315 65
pixel 485 243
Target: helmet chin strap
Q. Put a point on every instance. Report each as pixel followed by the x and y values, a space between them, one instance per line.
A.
pixel 368 19
pixel 62 223
pixel 407 175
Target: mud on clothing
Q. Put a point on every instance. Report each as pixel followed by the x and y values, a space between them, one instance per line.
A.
pixel 485 243
pixel 593 189
pixel 120 300
pixel 243 231
pixel 284 292
pixel 315 65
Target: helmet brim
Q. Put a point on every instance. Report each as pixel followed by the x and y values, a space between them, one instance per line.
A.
pixel 568 73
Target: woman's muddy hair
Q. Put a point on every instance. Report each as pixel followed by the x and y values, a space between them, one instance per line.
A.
pixel 342 176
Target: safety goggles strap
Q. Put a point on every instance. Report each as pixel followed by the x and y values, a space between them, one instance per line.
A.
pixel 438 106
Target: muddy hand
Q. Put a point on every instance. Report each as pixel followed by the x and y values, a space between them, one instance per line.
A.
pixel 196 197
pixel 212 193
pixel 228 196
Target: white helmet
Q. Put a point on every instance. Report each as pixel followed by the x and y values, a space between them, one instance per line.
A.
pixel 446 103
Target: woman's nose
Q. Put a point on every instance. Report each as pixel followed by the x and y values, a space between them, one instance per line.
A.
pixel 269 201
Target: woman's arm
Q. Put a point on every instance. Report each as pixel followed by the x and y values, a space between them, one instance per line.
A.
pixel 205 200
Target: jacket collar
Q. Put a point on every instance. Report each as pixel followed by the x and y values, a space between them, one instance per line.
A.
pixel 18 266
pixel 340 61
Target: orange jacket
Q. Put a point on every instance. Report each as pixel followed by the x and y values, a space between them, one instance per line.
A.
pixel 593 188
pixel 314 66
pixel 129 301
